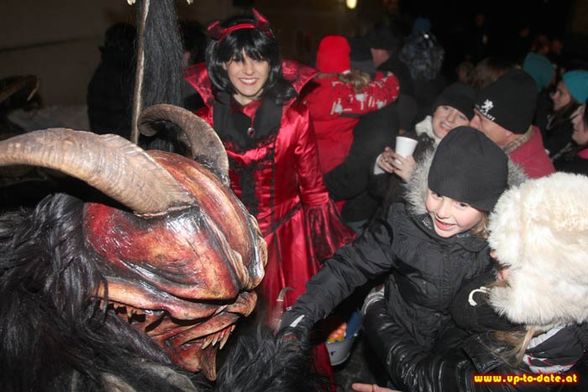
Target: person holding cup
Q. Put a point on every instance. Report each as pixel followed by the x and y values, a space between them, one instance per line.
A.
pixel 453 107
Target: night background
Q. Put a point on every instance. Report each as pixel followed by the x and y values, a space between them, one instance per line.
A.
pixel 58 40
pixel 56 48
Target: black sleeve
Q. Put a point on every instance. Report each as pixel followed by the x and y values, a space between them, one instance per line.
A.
pixel 371 135
pixel 352 266
pixel 414 368
pixel 386 187
pixel 348 179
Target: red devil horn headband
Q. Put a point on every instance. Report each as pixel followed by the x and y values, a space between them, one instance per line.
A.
pixel 219 33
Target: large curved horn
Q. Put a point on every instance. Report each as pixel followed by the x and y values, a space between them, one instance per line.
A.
pixel 109 163
pixel 204 141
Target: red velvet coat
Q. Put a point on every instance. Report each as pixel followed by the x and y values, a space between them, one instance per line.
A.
pixel 296 216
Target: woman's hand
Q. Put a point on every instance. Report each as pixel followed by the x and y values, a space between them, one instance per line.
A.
pixel 386 160
pixel 391 162
pixel 358 387
pixel 403 167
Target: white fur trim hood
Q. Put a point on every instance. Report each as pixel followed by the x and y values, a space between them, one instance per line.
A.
pixel 540 230
pixel 426 127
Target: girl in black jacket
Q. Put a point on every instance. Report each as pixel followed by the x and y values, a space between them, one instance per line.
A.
pixel 427 248
pixel 528 318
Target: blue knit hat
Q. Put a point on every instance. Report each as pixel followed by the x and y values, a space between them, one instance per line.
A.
pixel 577 84
pixel 540 69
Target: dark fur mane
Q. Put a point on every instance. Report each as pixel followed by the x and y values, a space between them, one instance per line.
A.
pixel 55 337
pixel 50 327
pixel 259 361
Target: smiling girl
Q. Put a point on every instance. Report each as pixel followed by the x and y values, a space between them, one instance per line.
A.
pixel 427 248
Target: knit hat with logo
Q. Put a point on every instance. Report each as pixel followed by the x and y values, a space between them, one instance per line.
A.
pixel 470 168
pixel 333 55
pixel 510 101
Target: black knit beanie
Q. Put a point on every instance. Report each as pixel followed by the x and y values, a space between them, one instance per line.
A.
pixel 459 96
pixel 470 168
pixel 510 101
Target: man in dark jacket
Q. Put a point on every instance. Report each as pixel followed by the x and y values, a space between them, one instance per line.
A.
pixel 504 112
pixel 385 47
pixel 349 181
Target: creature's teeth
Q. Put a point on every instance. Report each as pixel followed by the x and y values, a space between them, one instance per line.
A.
pixel 215 338
pixel 220 309
pixel 206 342
pixel 233 327
pixel 226 334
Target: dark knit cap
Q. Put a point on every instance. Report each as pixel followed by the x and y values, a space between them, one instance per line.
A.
pixel 470 168
pixel 459 96
pixel 382 37
pixel 360 49
pixel 510 101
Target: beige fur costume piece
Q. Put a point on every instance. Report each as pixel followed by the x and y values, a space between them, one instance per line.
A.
pixel 540 230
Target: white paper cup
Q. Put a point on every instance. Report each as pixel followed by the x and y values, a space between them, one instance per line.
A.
pixel 405 146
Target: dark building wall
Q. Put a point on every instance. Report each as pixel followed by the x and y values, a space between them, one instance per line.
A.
pixel 58 39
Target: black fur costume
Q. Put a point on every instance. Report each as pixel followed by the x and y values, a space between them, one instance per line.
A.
pixel 56 337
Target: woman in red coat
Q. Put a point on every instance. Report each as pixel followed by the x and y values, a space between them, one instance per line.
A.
pixel 250 97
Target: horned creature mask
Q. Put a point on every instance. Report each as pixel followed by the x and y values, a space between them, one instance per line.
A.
pixel 181 262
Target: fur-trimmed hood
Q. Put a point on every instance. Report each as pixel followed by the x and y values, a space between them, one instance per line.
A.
pixel 417 186
pixel 425 127
pixel 540 231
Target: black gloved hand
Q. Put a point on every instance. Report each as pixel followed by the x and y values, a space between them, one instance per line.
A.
pixel 295 323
